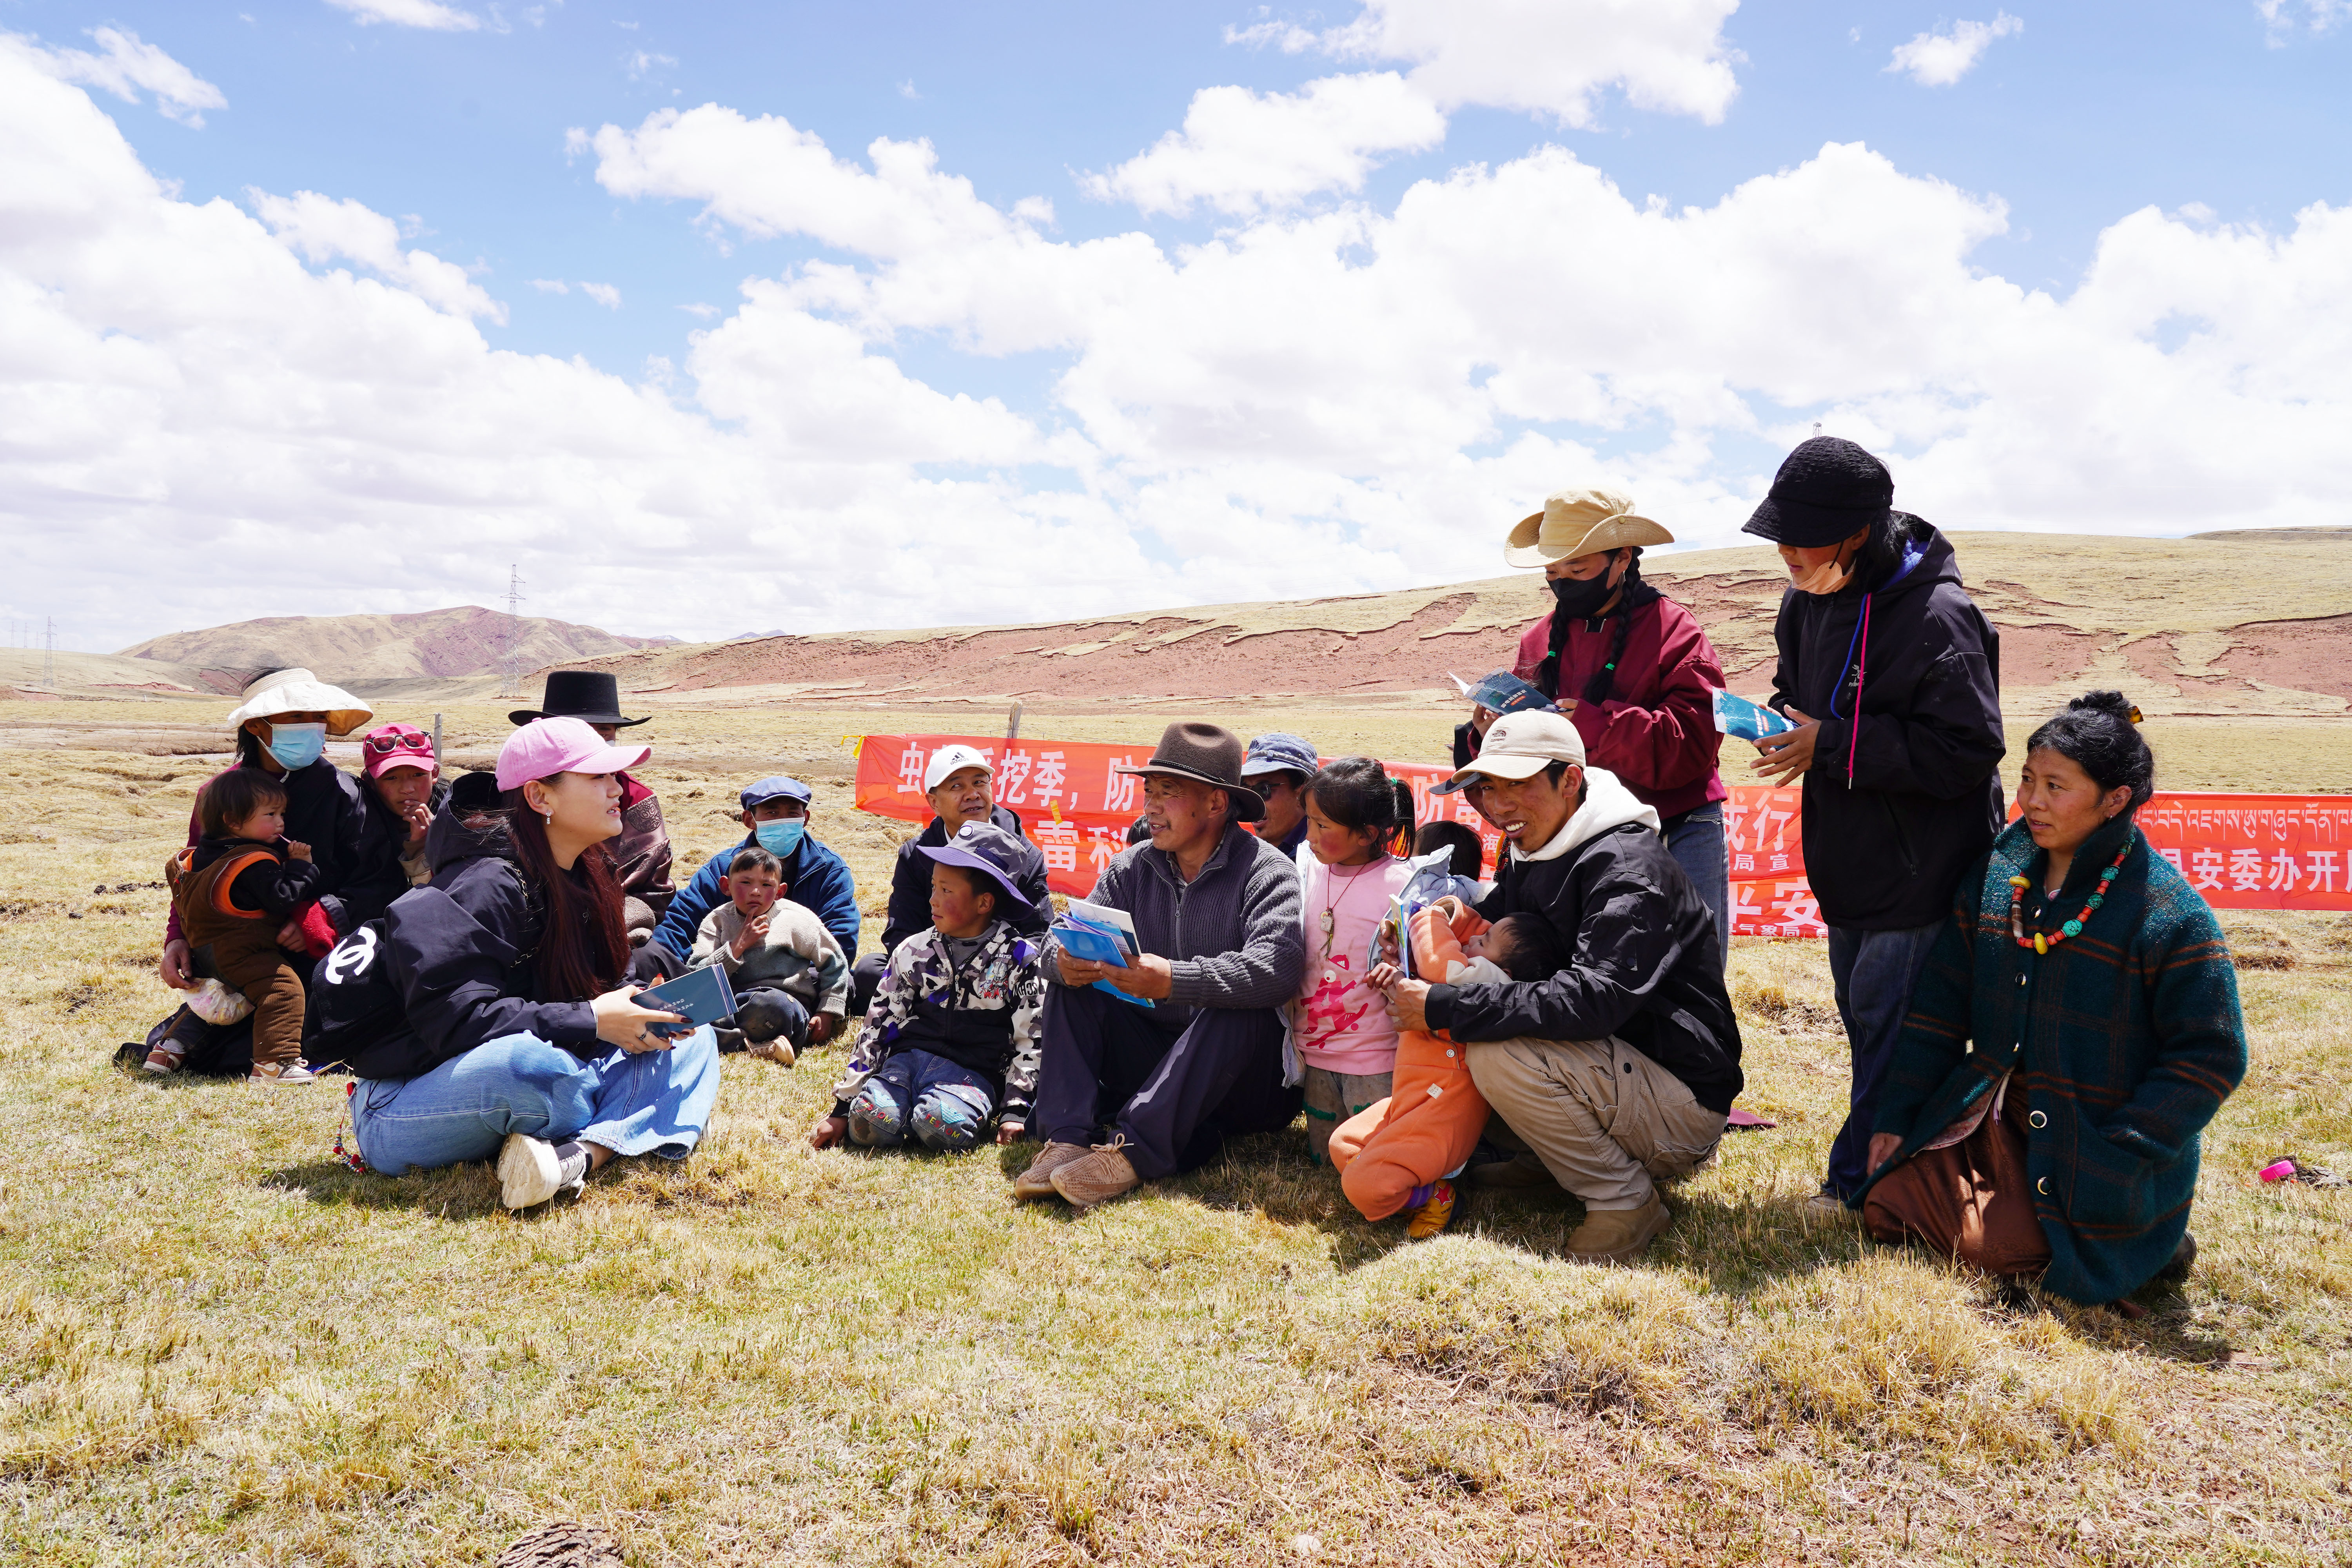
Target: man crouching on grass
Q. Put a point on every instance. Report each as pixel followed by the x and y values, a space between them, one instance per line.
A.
pixel 1157 1089
pixel 1618 1072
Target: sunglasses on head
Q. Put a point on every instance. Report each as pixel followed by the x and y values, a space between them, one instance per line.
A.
pixel 383 743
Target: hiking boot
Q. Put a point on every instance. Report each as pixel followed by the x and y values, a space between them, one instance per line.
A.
pixel 778 1050
pixel 2184 1258
pixel 529 1173
pixel 296 1071
pixel 1433 1217
pixel 1037 1180
pixel 1103 1174
pixel 1618 1235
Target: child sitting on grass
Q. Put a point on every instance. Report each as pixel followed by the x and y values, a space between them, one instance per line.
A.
pixel 782 963
pixel 233 889
pixel 1400 1154
pixel 954 1036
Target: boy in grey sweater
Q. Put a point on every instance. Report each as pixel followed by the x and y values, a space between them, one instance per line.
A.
pixel 781 962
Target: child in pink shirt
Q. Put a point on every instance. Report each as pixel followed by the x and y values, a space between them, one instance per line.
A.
pixel 1357 817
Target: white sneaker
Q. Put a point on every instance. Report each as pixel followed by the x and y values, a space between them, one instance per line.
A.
pixel 529 1173
pixel 272 1073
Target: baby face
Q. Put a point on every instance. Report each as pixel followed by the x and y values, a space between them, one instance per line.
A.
pixel 1493 944
pixel 754 891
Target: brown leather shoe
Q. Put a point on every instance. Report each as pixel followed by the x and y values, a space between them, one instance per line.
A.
pixel 1037 1180
pixel 1103 1174
pixel 1618 1235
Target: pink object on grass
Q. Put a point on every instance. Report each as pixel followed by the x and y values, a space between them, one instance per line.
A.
pixel 2277 1171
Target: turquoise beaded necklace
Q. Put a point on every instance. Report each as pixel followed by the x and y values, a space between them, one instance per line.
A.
pixel 2041 941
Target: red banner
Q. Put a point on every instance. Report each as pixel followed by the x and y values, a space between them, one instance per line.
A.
pixel 2241 851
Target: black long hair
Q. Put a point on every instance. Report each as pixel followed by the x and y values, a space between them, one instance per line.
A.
pixel 1631 595
pixel 583 949
pixel 1358 794
pixel 2099 733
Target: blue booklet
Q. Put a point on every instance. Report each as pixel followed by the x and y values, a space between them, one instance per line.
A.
pixel 1747 720
pixel 701 994
pixel 1100 934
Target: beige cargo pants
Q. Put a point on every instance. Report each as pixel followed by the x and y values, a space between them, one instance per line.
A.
pixel 1607 1122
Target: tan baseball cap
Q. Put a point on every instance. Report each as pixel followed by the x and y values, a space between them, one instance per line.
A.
pixel 1580 523
pixel 1519 746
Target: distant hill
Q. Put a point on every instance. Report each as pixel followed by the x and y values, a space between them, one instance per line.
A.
pixel 2237 624
pixel 435 645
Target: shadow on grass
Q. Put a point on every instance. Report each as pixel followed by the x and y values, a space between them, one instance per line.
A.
pixel 452 1192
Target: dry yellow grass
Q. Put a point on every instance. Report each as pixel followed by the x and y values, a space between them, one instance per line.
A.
pixel 219 1347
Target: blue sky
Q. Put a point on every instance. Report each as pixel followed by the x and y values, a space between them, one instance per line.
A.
pixel 2228 120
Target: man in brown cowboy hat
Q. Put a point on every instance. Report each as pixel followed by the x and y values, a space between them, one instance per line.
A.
pixel 1155 1090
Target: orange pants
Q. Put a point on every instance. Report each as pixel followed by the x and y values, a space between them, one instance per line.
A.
pixel 1431 1120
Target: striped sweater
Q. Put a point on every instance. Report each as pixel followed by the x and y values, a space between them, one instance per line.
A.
pixel 2126 1038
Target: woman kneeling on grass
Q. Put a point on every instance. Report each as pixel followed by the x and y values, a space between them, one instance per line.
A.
pixel 517 1037
pixel 2095 986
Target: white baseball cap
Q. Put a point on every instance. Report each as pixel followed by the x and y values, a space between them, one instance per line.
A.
pixel 949 759
pixel 1519 746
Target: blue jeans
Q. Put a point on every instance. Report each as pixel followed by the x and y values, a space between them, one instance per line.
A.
pixel 1695 841
pixel 655 1103
pixel 1874 972
pixel 947 1106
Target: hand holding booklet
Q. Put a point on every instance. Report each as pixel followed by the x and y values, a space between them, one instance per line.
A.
pixel 1738 717
pixel 699 995
pixel 1100 934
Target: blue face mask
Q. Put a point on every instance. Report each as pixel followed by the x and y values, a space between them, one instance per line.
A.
pixel 292 746
pixel 780 839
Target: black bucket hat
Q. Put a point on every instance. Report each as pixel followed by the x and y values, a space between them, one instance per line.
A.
pixel 1827 490
pixel 1209 755
pixel 591 696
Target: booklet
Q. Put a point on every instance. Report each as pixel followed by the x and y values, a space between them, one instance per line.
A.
pixel 1100 934
pixel 1503 692
pixel 703 996
pixel 1747 720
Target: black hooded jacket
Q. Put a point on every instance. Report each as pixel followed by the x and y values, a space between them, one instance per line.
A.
pixel 324 809
pixel 910 885
pixel 459 950
pixel 1885 852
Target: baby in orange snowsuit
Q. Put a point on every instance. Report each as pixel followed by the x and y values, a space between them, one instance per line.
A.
pixel 1397 1153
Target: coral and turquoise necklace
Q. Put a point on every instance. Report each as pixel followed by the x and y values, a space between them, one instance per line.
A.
pixel 2041 941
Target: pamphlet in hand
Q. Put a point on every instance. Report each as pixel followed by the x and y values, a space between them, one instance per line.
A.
pixel 1100 934
pixel 1747 720
pixel 703 996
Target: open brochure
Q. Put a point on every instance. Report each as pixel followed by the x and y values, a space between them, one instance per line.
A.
pixel 1747 720
pixel 1100 934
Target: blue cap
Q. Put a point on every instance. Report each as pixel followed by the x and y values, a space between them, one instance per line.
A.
pixel 1278 753
pixel 987 848
pixel 776 787
pixel 1503 692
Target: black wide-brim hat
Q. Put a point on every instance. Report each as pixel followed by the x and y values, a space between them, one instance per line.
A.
pixel 1827 490
pixel 591 696
pixel 1208 754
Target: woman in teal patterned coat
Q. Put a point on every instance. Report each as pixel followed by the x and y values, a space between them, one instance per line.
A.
pixel 2075 1029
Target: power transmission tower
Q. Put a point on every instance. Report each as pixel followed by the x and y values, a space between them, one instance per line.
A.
pixel 49 655
pixel 510 675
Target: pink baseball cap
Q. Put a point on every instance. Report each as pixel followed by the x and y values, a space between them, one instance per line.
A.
pixel 390 746
pixel 545 747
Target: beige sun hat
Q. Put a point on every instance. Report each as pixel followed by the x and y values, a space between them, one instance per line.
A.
pixel 1580 523
pixel 299 691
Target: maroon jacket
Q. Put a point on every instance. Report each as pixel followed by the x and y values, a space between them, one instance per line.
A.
pixel 1656 732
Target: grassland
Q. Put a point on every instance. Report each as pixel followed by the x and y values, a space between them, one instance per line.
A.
pixel 221 1347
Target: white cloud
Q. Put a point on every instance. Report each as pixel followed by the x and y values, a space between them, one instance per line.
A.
pixel 1940 59
pixel 1288 36
pixel 551 285
pixel 427 13
pixel 640 64
pixel 907 90
pixel 1241 151
pixel 125 68
pixel 1330 402
pixel 2316 15
pixel 323 229
pixel 604 294
pixel 1552 59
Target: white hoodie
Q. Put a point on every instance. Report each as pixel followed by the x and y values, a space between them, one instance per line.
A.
pixel 1607 804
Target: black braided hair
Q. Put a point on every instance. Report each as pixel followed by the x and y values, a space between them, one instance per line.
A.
pixel 1632 593
pixel 1358 794
pixel 2099 733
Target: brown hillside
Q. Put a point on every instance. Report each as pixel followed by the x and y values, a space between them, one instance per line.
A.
pixel 2215 624
pixel 435 645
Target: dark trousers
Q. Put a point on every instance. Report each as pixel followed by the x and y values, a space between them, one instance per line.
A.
pixel 1874 972
pixel 653 964
pixel 1174 1092
pixel 864 979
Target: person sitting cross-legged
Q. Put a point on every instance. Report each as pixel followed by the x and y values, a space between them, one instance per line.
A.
pixel 1157 1089
pixel 1620 1069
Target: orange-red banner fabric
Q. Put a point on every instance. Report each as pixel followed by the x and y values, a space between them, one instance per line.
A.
pixel 2241 851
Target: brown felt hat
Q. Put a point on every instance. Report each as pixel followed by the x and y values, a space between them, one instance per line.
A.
pixel 1580 523
pixel 1207 754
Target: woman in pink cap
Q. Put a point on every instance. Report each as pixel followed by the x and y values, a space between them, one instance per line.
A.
pixel 505 1028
